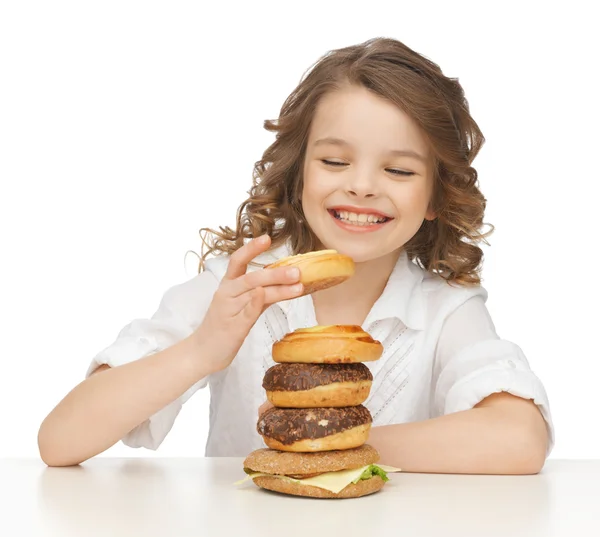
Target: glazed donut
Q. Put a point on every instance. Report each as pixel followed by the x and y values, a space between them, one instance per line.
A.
pixel 315 429
pixel 318 270
pixel 327 345
pixel 317 385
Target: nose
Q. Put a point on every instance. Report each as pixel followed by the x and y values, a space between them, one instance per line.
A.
pixel 362 185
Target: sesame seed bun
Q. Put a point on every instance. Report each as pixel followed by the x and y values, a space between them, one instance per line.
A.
pixel 362 488
pixel 269 461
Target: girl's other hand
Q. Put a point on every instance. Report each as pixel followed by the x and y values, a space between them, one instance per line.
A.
pixel 239 301
pixel 264 407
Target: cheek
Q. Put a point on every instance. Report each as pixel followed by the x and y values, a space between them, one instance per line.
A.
pixel 414 199
pixel 316 189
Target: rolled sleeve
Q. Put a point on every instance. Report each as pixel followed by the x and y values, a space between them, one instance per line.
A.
pixel 474 363
pixel 180 312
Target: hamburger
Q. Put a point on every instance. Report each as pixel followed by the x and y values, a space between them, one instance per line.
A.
pixel 318 270
pixel 349 473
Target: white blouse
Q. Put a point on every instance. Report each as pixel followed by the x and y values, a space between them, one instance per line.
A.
pixel 441 355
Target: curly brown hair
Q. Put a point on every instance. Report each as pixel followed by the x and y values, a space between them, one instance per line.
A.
pixel 446 245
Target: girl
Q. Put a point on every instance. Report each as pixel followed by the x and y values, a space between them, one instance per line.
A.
pixel 372 158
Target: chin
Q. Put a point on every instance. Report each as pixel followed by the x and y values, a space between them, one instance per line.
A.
pixel 359 255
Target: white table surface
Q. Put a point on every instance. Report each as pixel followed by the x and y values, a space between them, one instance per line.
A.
pixel 196 497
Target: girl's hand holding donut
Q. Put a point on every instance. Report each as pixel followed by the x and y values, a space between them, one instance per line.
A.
pixel 239 301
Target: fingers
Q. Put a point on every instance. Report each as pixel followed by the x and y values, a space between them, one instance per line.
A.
pixel 272 294
pixel 277 293
pixel 252 310
pixel 241 258
pixel 248 294
pixel 264 278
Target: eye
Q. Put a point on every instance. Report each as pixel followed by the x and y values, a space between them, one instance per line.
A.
pixel 390 170
pixel 331 163
pixel 400 172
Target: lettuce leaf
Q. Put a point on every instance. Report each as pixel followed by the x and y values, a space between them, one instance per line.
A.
pixel 371 471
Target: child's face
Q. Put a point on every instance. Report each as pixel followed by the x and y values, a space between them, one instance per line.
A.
pixel 367 177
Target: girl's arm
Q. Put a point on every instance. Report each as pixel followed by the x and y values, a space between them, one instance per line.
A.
pixel 111 402
pixel 102 409
pixel 503 434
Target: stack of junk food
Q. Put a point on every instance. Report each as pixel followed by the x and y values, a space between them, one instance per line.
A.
pixel 317 429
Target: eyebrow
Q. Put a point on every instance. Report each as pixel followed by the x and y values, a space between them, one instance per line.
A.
pixel 395 152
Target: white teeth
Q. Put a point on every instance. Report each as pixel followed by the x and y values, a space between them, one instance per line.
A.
pixel 361 219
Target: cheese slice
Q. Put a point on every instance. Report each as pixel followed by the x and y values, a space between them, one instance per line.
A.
pixel 331 481
pixel 387 469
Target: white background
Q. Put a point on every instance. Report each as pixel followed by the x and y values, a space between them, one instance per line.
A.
pixel 126 126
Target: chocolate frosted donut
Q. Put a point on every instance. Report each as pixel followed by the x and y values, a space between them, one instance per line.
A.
pixel 317 385
pixel 315 429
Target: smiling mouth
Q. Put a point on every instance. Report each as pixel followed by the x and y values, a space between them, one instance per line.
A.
pixel 359 219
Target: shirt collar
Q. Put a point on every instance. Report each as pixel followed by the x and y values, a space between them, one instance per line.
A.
pixel 402 297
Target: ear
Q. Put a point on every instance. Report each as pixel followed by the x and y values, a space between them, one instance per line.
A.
pixel 430 214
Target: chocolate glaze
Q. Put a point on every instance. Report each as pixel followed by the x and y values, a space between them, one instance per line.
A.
pixel 298 377
pixel 289 425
